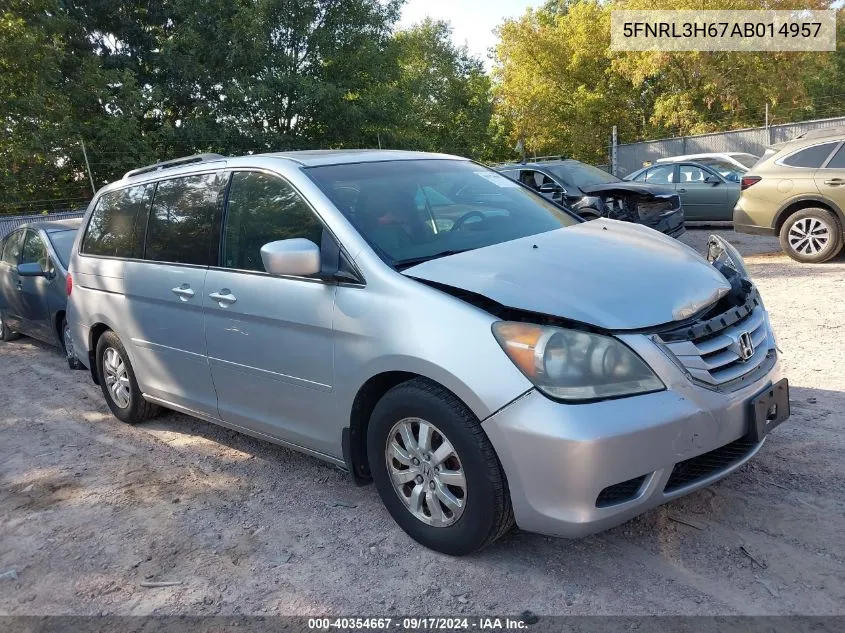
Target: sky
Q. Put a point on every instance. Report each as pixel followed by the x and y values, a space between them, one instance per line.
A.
pixel 472 21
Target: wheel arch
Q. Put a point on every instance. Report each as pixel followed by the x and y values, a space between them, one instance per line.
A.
pixel 807 202
pixel 94 334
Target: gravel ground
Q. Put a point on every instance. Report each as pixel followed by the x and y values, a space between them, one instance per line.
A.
pixel 91 508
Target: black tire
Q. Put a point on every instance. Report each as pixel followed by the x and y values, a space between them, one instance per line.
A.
pixel 138 409
pixel 487 513
pixel 67 347
pixel 806 251
pixel 7 334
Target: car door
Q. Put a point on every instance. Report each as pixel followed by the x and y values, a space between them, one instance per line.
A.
pixel 270 342
pixel 702 200
pixel 10 301
pixel 830 179
pixel 32 291
pixel 165 290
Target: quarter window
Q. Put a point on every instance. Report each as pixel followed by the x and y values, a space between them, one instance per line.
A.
pixel 184 220
pixel 262 209
pixel 810 157
pixel 118 223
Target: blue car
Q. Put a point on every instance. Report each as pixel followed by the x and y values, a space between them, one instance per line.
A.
pixel 33 278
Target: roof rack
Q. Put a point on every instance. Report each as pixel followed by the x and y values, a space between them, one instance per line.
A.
pixel 176 162
pixel 822 132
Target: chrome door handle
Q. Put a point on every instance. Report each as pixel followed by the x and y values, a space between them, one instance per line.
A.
pixel 224 297
pixel 184 291
pixel 835 182
pixel 682 190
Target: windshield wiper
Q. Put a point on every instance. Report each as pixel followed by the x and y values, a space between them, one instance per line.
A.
pixel 402 264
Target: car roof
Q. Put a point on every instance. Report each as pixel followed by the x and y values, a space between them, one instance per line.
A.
pixel 672 159
pixel 315 158
pixel 540 165
pixel 51 226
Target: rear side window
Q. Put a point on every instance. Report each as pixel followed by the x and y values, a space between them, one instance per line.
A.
pixel 262 209
pixel 810 157
pixel 838 160
pixel 12 248
pixel 118 223
pixel 185 218
pixel 662 175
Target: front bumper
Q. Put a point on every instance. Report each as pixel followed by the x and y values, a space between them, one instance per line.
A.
pixel 671 223
pixel 578 469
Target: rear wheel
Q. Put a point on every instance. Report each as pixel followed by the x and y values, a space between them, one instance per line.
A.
pixel 67 347
pixel 117 380
pixel 811 236
pixel 436 471
pixel 6 334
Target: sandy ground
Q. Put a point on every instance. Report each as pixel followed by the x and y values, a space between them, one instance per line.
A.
pixel 90 508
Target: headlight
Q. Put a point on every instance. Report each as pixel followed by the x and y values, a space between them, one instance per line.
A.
pixel 721 251
pixel 572 365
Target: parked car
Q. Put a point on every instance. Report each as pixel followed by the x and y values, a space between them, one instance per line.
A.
pixel 740 160
pixel 797 192
pixel 481 354
pixel 593 193
pixel 33 272
pixel 706 192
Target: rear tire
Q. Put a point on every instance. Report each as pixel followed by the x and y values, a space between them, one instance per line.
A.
pixel 811 236
pixel 6 334
pixel 454 462
pixel 67 347
pixel 117 380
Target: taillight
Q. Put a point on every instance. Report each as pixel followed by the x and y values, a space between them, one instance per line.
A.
pixel 747 181
pixel 68 285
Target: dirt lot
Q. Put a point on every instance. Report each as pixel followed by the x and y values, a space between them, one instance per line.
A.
pixel 90 508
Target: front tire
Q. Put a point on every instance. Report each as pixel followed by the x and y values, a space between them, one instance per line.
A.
pixel 6 334
pixel 117 380
pixel 67 347
pixel 436 471
pixel 811 236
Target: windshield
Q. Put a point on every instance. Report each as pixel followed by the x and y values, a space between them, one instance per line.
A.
pixel 62 243
pixel 728 171
pixel 749 160
pixel 411 211
pixel 581 175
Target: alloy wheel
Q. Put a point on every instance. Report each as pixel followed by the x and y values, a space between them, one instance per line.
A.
pixel 426 472
pixel 117 378
pixel 809 236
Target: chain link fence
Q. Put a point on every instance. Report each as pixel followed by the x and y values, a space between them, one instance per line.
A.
pixel 10 223
pixel 632 156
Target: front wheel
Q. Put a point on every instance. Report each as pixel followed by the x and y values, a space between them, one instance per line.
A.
pixel 436 471
pixel 811 236
pixel 67 347
pixel 6 334
pixel 117 380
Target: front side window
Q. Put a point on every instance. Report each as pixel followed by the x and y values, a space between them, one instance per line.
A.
pixel 118 223
pixel 12 248
pixel 34 251
pixel 184 220
pixel 261 209
pixel 661 175
pixel 413 210
pixel 811 156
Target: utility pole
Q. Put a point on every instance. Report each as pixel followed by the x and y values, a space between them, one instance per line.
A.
pixel 614 161
pixel 88 167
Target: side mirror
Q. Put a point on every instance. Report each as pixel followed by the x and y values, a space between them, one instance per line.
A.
pixel 551 188
pixel 712 180
pixel 298 257
pixel 32 269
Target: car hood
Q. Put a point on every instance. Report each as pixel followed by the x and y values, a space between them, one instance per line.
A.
pixel 609 274
pixel 642 188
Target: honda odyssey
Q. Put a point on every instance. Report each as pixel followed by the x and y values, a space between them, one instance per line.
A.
pixel 481 354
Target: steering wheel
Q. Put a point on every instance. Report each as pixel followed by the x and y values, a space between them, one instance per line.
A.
pixel 466 216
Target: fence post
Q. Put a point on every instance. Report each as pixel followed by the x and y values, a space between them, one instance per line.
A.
pixel 614 160
pixel 88 167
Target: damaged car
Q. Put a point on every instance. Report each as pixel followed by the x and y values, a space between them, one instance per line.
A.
pixel 593 193
pixel 431 326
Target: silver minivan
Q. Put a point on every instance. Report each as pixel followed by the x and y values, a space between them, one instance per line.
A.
pixel 482 355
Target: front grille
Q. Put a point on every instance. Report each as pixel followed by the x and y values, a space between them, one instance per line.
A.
pixel 695 469
pixel 653 208
pixel 712 355
pixel 620 493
